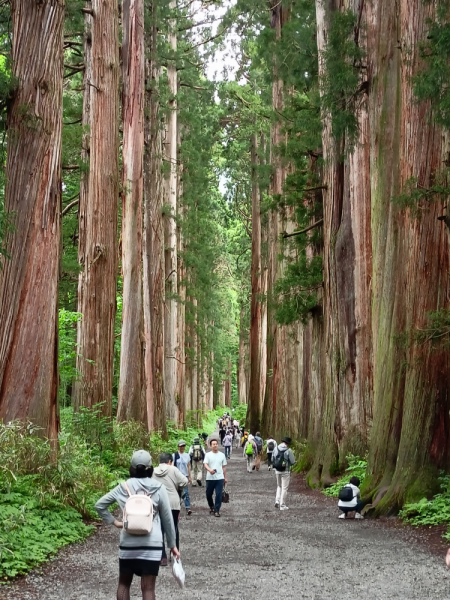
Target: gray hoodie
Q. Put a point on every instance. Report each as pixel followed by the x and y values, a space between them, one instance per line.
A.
pixel 173 480
pixel 141 546
pixel 288 456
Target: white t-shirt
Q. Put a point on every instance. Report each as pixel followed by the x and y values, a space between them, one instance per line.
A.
pixel 182 463
pixel 356 495
pixel 215 460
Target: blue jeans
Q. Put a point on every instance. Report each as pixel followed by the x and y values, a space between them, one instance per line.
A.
pixel 227 451
pixel 187 500
pixel 217 486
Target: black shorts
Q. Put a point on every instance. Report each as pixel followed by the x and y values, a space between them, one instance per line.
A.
pixel 138 566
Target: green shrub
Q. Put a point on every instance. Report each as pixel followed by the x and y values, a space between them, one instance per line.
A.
pixel 45 493
pixel 356 468
pixel 430 512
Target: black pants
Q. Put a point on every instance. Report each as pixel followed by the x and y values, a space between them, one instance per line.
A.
pixel 269 459
pixel 175 517
pixel 358 508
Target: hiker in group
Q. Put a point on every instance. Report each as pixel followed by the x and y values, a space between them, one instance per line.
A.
pixel 244 439
pixel 174 481
pixel 222 434
pixel 216 477
pixel 250 452
pixel 270 447
pixel 140 554
pixel 197 454
pixel 182 461
pixel 227 442
pixel 350 499
pixel 282 460
pixel 259 449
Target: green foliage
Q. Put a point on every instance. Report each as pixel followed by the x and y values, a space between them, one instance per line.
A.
pixel 436 331
pixel 413 195
pixel 356 468
pixel 341 83
pixel 45 493
pixel 430 512
pixel 431 83
pixel 67 352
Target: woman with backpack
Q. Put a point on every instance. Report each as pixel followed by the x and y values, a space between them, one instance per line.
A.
pixel 250 450
pixel 283 459
pixel 140 546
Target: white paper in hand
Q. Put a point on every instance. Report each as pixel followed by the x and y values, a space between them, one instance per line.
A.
pixel 178 572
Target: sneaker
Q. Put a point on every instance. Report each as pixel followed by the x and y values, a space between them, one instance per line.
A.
pixel 216 514
pixel 343 516
pixel 164 562
pixel 199 482
pixel 270 468
pixel 277 505
pixel 358 516
pixel 253 468
pixel 188 511
pixel 284 507
pixel 211 511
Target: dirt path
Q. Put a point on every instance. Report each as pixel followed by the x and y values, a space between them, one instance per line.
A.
pixel 254 551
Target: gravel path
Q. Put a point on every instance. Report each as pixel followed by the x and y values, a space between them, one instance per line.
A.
pixel 254 551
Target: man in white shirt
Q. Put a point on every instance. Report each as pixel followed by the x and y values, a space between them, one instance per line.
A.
pixel 182 461
pixel 216 477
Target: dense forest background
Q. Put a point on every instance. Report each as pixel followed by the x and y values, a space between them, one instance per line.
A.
pixel 275 236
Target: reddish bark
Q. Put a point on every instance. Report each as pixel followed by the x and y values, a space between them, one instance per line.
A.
pixel 131 396
pixel 29 278
pixel 153 241
pixel 97 252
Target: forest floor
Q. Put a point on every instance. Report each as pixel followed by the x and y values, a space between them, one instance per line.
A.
pixel 256 551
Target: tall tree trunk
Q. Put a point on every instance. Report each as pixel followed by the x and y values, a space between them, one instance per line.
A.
pixel 255 395
pixel 346 410
pixel 97 253
pixel 410 435
pixel 181 308
pixel 153 242
pixel 276 349
pixel 241 369
pixel 131 397
pixel 29 278
pixel 171 234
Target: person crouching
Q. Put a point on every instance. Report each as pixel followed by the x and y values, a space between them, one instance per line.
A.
pixel 350 499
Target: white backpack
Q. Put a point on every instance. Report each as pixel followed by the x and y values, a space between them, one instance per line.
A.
pixel 138 513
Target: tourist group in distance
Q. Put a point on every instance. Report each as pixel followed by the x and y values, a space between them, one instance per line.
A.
pixel 151 500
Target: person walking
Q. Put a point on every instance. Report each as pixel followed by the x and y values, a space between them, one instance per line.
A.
pixel 222 434
pixel 250 451
pixel 270 447
pixel 227 442
pixel 174 481
pixel 259 449
pixel 283 459
pixel 197 454
pixel 182 461
pixel 140 554
pixel 216 477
